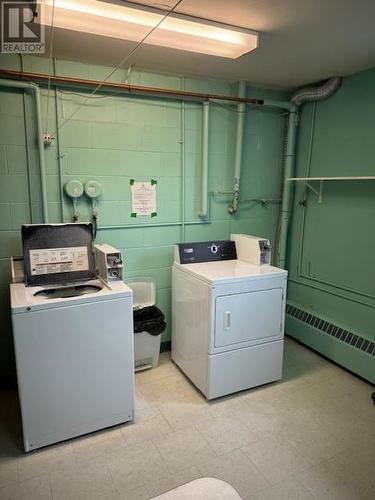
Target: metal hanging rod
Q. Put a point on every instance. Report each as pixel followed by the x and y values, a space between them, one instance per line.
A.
pixel 126 88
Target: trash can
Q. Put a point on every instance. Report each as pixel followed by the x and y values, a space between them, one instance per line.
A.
pixel 149 323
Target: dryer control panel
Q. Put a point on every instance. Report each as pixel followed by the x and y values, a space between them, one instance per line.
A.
pixel 207 251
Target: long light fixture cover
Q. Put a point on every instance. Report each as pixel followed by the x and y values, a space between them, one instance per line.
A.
pixel 132 22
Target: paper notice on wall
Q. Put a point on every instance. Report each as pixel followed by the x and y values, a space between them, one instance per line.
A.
pixel 143 198
pixel 58 260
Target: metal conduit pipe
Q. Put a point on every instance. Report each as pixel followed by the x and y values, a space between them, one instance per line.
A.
pixel 205 136
pixel 307 94
pixel 241 109
pixel 66 81
pixel 28 86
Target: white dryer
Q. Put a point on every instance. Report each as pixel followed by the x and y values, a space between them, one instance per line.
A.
pixel 227 316
pixel 73 338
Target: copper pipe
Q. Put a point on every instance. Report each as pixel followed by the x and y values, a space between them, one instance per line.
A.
pixel 129 89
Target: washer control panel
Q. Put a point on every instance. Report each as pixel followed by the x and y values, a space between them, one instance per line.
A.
pixel 207 251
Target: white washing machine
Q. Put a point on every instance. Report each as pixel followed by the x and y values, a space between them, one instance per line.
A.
pixel 73 338
pixel 227 315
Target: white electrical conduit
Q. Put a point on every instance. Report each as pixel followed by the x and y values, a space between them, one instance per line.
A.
pixel 241 109
pixel 205 137
pixel 28 86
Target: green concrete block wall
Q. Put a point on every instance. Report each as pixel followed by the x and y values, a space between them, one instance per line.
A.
pixel 331 244
pixel 114 139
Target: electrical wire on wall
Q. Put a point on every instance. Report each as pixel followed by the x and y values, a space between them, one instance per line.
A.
pixel 101 97
pixel 121 63
pixel 99 86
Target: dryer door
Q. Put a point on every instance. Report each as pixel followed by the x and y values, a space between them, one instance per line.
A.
pixel 249 318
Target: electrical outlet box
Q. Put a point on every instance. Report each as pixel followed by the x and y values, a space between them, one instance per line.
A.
pixel 47 139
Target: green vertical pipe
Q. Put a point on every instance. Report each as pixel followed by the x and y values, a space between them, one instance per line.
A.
pixel 241 110
pixel 205 135
pixel 42 167
pixel 183 172
pixel 183 165
pixel 290 154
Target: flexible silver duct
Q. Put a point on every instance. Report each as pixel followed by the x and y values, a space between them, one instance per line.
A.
pixel 318 93
pixel 306 94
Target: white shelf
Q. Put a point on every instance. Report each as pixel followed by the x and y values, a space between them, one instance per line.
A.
pixel 322 180
pixel 357 178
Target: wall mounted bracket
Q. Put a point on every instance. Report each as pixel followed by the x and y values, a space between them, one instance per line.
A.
pixel 319 192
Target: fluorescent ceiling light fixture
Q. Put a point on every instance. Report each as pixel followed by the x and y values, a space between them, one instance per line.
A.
pixel 127 21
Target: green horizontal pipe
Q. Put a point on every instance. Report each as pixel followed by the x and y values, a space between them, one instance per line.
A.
pixel 182 223
pixel 158 224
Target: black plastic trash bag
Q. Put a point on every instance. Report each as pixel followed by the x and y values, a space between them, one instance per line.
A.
pixel 149 319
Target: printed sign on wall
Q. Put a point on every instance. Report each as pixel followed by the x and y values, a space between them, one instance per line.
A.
pixel 143 198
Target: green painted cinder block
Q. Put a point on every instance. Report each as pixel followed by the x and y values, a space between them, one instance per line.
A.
pixel 158 80
pixel 8 61
pixel 3 160
pixel 121 238
pixel 12 102
pixel 16 159
pixel 5 271
pixel 330 271
pixel 10 244
pixel 95 109
pixel 115 136
pixel 148 258
pixel 119 138
pixel 72 68
pixel 5 218
pixel 94 162
pixel 140 112
pixel 20 214
pixel 172 114
pixel 36 64
pixel 212 86
pixel 12 129
pixel 158 236
pixel 76 134
pixel 162 276
pixel 156 138
pixel 54 212
pixel 13 188
pixel 218 230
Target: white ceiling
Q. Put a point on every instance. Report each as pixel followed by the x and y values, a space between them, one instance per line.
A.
pixel 301 41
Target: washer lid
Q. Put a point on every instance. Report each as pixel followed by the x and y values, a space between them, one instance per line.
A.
pixel 144 292
pixel 230 270
pixel 58 253
pixel 30 298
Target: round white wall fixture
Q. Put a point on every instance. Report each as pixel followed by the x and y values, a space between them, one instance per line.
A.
pixel 73 188
pixel 93 189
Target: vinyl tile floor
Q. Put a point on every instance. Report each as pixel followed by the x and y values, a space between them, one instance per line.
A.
pixel 309 436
